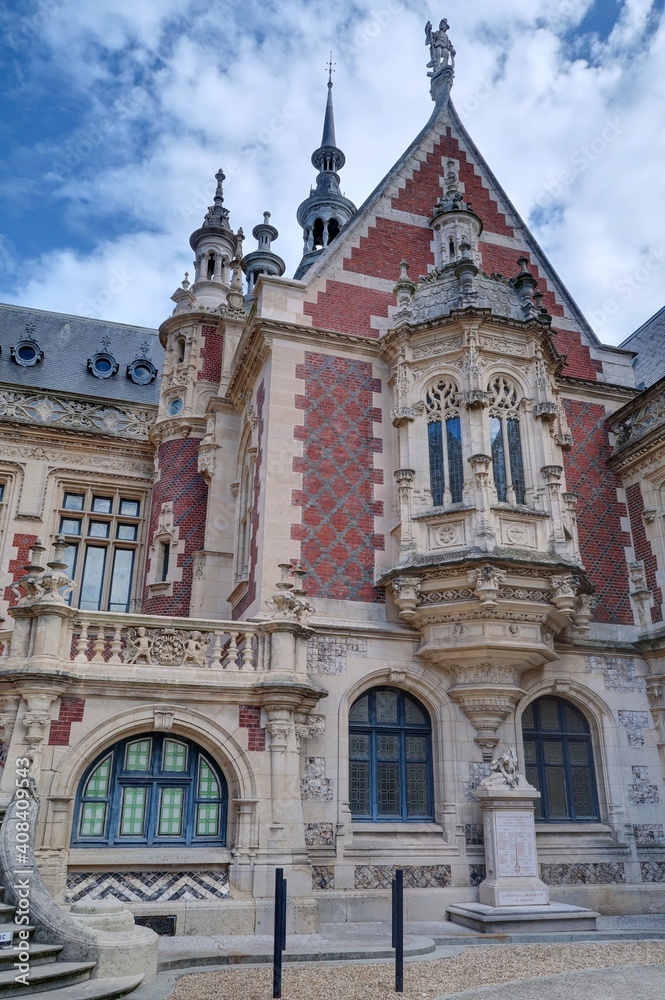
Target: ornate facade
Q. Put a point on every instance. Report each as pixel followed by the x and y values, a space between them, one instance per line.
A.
pixel 280 580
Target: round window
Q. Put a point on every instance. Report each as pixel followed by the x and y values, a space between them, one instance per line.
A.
pixel 142 371
pixel 103 365
pixel 27 353
pixel 175 407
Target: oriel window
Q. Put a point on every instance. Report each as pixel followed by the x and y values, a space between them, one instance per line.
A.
pixel 445 443
pixel 505 441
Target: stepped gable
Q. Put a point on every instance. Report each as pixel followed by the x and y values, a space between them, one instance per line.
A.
pixel 350 288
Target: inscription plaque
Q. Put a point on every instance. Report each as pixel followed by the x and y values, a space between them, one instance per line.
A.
pixel 515 845
pixel 525 898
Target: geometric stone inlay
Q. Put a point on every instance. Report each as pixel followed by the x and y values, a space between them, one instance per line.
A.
pixel 605 873
pixel 415 876
pixel 652 871
pixel 473 834
pixel 315 785
pixel 327 654
pixel 619 673
pixel 477 874
pixel 323 877
pixel 146 886
pixel 319 835
pixel 634 723
pixel 477 772
pixel 648 833
pixel 641 792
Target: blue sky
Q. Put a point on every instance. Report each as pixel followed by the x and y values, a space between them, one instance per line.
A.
pixel 116 116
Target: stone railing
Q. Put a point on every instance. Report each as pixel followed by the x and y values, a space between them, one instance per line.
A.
pixel 143 641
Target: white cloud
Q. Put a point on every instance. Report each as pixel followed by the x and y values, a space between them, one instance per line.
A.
pixel 577 144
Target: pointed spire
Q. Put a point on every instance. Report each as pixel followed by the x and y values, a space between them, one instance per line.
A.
pixel 329 121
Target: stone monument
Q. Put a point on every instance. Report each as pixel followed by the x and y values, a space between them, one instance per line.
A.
pixel 512 897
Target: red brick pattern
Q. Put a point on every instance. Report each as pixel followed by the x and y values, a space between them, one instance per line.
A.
pixel 22 543
pixel 211 352
pixel 250 594
pixel 337 535
pixel 643 548
pixel 386 244
pixel 602 541
pixel 250 718
pixel 181 484
pixel 71 710
pixel 349 308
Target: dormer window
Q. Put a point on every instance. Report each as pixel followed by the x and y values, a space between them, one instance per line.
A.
pixel 27 353
pixel 141 371
pixel 103 365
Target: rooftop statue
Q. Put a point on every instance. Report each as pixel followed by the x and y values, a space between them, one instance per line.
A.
pixel 442 52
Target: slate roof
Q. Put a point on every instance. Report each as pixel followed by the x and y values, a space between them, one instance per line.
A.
pixel 438 294
pixel 67 343
pixel 649 342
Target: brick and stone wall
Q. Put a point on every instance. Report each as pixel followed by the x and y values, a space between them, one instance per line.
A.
pixel 643 549
pixel 211 352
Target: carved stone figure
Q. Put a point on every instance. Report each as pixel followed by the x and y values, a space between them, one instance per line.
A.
pixel 195 651
pixel 141 644
pixel 441 48
pixel 505 771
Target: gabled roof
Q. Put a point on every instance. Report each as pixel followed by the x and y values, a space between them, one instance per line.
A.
pixel 649 343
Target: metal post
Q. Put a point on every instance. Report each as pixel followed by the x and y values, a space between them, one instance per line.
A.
pixel 398 929
pixel 280 932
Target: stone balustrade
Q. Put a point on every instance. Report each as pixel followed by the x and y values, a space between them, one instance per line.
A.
pixel 143 641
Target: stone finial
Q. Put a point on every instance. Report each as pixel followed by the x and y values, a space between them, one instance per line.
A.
pixel 289 603
pixel 405 288
pixel 185 281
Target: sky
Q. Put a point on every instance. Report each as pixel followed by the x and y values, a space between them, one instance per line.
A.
pixel 116 115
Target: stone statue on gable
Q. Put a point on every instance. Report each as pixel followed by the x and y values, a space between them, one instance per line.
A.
pixel 442 52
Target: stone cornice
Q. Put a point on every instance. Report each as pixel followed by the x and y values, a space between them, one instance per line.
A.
pixel 69 414
pixel 571 386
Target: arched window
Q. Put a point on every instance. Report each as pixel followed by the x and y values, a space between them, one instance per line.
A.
pixel 317 233
pixel 245 513
pixel 390 757
pixel 151 790
pixel 505 441
pixel 445 458
pixel 333 230
pixel 558 759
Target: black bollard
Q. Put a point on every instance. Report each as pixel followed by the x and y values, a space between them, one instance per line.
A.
pixel 280 932
pixel 398 929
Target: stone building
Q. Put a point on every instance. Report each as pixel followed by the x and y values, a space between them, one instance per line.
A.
pixel 283 575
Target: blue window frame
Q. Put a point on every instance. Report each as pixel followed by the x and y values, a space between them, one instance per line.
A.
pixel 390 758
pixel 558 758
pixel 153 789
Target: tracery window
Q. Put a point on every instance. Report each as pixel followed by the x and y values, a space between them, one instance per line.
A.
pixel 505 440
pixel 445 443
pixel 558 758
pixel 151 789
pixel 390 757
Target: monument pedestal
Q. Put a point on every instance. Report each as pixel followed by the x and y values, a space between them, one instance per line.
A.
pixel 513 898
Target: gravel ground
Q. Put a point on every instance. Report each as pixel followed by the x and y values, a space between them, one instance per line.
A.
pixel 475 967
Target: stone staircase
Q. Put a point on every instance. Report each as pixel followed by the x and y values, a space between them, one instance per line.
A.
pixel 47 976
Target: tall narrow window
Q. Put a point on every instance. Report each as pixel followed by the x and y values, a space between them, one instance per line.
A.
pixel 390 757
pixel 505 441
pixel 558 759
pixel 245 512
pixel 445 443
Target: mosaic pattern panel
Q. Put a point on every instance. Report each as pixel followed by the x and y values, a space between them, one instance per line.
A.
pixel 338 478
pixel 323 877
pixel 319 835
pixel 477 874
pixel 611 873
pixel 415 876
pixel 477 772
pixel 648 833
pixel 147 887
pixel 473 834
pixel 634 723
pixel 641 792
pixel 327 654
pixel 652 871
pixel 619 672
pixel 315 785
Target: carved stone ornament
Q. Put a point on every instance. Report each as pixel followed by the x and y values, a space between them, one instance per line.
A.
pixel 564 596
pixel 505 772
pixel 406 593
pixel 289 603
pixel 487 581
pixel 50 410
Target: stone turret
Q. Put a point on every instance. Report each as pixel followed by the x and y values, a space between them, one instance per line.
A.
pixel 323 214
pixel 263 260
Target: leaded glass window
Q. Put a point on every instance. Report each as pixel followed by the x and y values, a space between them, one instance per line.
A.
pixel 505 441
pixel 445 443
pixel 151 790
pixel 558 759
pixel 390 757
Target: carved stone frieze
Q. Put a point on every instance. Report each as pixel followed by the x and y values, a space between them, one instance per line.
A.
pixel 67 414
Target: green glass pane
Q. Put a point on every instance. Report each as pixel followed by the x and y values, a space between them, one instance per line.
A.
pixel 137 755
pixel 207 819
pixel 414 715
pixel 97 786
pixel 417 797
pixel 549 715
pixel 582 797
pixel 574 723
pixel 416 747
pixel 529 752
pixel 175 756
pixel 93 819
pixel 132 813
pixel 387 747
pixel 527 718
pixel 208 787
pixel 577 753
pixel 386 706
pixel 359 788
pixel 170 812
pixel 556 792
pixel 360 711
pixel 553 753
pixel 388 789
pixel 359 746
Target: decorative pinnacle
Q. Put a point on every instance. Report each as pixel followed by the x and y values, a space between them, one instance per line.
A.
pixel 330 66
pixel 266 218
pixel 220 177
